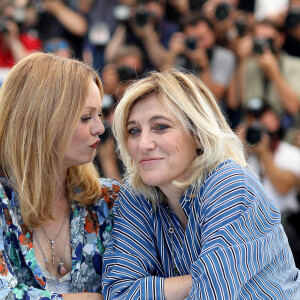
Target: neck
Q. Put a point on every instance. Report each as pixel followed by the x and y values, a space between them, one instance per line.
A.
pixel 173 195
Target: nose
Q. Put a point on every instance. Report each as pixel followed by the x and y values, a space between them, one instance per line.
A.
pixel 98 128
pixel 146 142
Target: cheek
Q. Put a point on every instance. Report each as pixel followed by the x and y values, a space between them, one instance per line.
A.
pixel 131 148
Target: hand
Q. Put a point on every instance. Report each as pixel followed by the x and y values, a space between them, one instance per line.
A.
pixel 12 30
pixel 268 62
pixel 177 43
pixel 51 6
pixel 243 47
pixel 199 57
pixel 263 146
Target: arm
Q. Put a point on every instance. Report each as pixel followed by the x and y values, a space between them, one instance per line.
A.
pixel 242 241
pixel 177 288
pixel 150 39
pixel 236 90
pixel 131 264
pixel 12 40
pixel 286 94
pixel 283 180
pixel 70 19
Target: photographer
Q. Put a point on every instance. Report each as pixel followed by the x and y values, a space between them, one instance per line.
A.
pixel 275 161
pixel 195 48
pixel 15 41
pixel 146 26
pixel 265 71
pixel 63 19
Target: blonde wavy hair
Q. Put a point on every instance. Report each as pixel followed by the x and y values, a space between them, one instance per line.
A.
pixel 195 107
pixel 41 102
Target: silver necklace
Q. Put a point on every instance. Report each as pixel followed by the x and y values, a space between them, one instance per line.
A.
pixel 52 241
pixel 61 269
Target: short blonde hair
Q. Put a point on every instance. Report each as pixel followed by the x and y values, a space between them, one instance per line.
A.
pixel 195 107
pixel 41 102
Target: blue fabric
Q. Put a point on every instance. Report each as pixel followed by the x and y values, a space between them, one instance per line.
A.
pixel 21 277
pixel 234 246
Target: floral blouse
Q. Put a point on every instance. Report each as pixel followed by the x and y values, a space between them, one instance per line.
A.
pixel 20 275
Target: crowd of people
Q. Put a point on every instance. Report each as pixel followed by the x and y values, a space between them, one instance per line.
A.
pixel 239 59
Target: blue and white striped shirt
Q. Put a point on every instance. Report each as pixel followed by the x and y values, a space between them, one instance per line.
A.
pixel 234 246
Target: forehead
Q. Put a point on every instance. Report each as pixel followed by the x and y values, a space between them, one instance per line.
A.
pixel 149 106
pixel 94 99
pixel 265 30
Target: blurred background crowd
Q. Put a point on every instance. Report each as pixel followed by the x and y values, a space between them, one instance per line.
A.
pixel 246 51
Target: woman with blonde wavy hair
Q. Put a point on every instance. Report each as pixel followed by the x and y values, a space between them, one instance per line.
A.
pixel 191 222
pixel 55 214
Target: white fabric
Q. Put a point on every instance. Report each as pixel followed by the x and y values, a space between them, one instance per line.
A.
pixel 265 8
pixel 54 284
pixel 286 157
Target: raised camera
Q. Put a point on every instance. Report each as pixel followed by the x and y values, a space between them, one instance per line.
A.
pixel 222 11
pixel 141 16
pixel 253 134
pixel 191 43
pixel 259 44
pixel 292 18
pixel 126 73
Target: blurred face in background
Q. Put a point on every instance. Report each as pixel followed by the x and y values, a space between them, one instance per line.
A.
pixel 204 34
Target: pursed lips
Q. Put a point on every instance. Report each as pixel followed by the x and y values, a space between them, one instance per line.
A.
pixel 95 144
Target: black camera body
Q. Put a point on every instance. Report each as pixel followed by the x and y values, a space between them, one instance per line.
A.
pixel 141 16
pixel 241 27
pixel 126 73
pixel 222 11
pixel 191 43
pixel 3 27
pixel 259 44
pixel 293 18
pixel 254 133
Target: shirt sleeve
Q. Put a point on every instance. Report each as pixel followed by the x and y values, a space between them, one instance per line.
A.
pixel 244 251
pixel 131 268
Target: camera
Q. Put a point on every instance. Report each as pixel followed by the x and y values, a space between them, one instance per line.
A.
pixel 292 18
pixel 222 11
pixel 259 45
pixel 191 43
pixel 254 133
pixel 126 73
pixel 141 16
pixel 241 26
pixel 3 27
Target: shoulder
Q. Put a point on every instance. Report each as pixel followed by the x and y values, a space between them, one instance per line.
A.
pixel 229 179
pixel 110 189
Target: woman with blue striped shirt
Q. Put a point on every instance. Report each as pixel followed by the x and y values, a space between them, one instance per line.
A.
pixel 191 222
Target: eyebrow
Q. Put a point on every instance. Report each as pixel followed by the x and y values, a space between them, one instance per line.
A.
pixel 154 118
pixel 93 108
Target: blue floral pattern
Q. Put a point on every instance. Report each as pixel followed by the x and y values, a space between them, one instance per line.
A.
pixel 20 275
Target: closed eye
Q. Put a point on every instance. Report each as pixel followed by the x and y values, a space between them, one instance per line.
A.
pixel 86 119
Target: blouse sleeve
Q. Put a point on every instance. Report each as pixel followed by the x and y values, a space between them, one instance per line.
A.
pixel 244 251
pixel 131 269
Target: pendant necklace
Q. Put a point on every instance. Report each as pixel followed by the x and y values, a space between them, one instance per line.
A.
pixel 61 269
